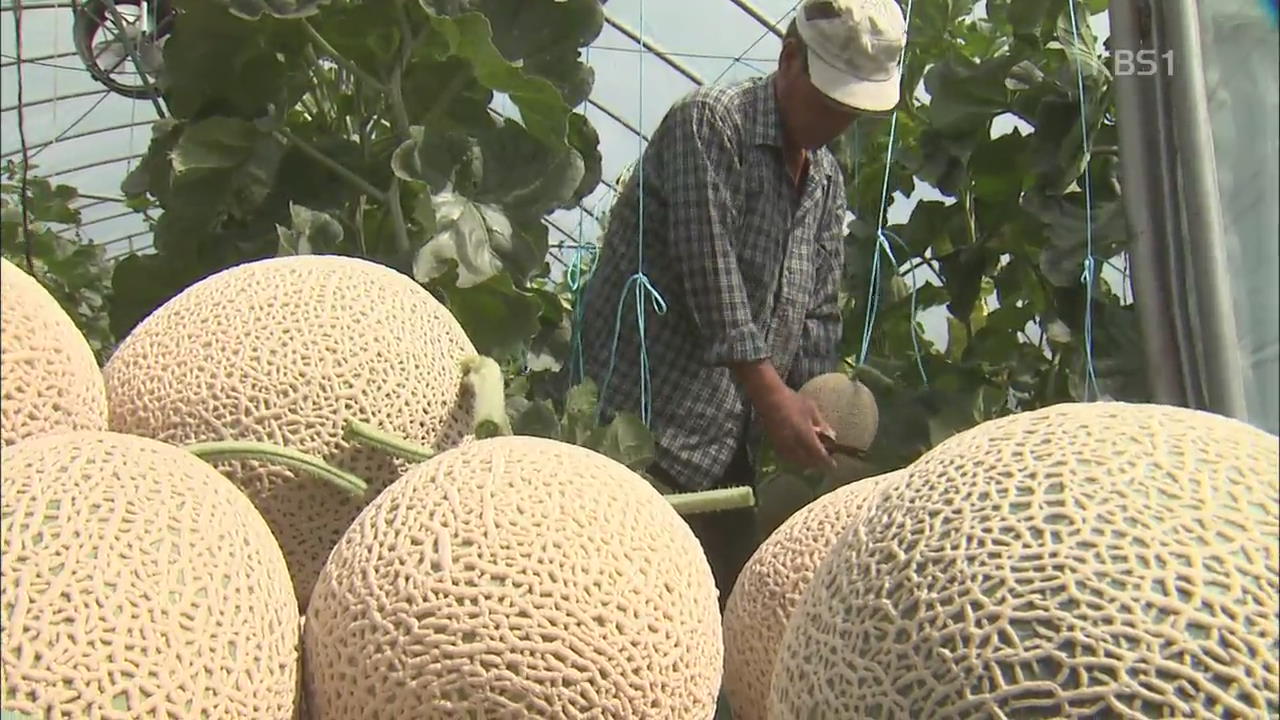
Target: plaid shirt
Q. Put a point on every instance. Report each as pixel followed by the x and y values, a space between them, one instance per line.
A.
pixel 747 264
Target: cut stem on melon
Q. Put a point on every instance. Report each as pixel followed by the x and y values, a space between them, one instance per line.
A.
pixel 266 452
pixel 718 500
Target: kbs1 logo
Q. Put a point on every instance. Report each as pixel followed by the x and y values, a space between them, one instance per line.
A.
pixel 1143 63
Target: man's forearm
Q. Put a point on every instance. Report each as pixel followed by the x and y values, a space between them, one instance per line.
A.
pixel 759 378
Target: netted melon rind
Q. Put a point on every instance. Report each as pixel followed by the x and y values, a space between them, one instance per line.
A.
pixel 515 577
pixel 1082 560
pixel 771 584
pixel 51 380
pixel 286 350
pixel 137 581
pixel 847 405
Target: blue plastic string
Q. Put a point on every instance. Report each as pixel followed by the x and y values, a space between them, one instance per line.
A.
pixel 1089 262
pixel 915 332
pixel 881 243
pixel 639 280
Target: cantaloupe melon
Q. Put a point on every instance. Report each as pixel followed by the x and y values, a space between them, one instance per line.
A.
pixel 138 582
pixel 516 577
pixel 51 380
pixel 286 351
pixel 847 405
pixel 770 587
pixel 1078 561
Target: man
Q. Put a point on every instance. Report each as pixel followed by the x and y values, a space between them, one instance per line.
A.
pixel 742 213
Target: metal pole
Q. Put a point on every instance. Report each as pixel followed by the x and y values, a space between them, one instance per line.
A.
pixel 1149 179
pixel 1211 290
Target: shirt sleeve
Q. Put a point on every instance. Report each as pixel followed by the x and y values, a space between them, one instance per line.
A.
pixel 705 186
pixel 819 350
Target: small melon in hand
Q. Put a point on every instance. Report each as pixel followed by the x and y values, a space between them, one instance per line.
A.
pixel 847 405
pixel 515 577
pixel 50 377
pixel 139 582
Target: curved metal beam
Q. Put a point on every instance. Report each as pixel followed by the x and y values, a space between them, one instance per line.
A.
pixel 656 49
pixel 746 7
pixel 76 136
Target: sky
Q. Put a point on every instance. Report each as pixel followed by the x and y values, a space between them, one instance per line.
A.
pixel 719 43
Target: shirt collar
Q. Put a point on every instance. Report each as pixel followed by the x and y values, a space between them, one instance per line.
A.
pixel 764 124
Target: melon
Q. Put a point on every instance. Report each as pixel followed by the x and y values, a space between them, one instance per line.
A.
pixel 50 377
pixel 847 405
pixel 1082 560
pixel 286 351
pixel 770 587
pixel 515 577
pixel 139 582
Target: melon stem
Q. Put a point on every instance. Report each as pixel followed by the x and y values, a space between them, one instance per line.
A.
pixel 266 452
pixel 367 434
pixel 718 500
pixel 690 503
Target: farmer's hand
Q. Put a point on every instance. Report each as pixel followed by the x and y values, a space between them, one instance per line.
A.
pixel 791 420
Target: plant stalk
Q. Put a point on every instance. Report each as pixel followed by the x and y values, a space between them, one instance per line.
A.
pixel 367 434
pixel 338 58
pixel 364 185
pixel 245 450
pixel 718 500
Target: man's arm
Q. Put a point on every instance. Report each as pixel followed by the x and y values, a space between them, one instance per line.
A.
pixel 820 337
pixel 705 196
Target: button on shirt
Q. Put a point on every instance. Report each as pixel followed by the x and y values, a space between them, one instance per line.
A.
pixel 747 263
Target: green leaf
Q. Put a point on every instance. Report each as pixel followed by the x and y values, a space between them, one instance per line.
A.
pixel 214 143
pixel 254 9
pixel 1031 17
pixel 469 236
pixel 542 109
pixel 627 440
pixel 965 94
pixel 1080 43
pixel 1070 228
pixel 546 38
pixel 495 315
pixel 216 63
pixel 536 418
pixel 999 167
pixel 311 232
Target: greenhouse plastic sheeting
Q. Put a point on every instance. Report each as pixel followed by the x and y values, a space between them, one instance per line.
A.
pixel 1241 52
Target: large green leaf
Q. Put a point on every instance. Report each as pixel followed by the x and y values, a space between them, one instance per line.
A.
pixel 498 317
pixel 218 64
pixel 468 35
pixel 469 236
pixel 546 38
pixel 965 94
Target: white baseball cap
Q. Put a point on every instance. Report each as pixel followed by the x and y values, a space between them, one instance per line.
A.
pixel 854 50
